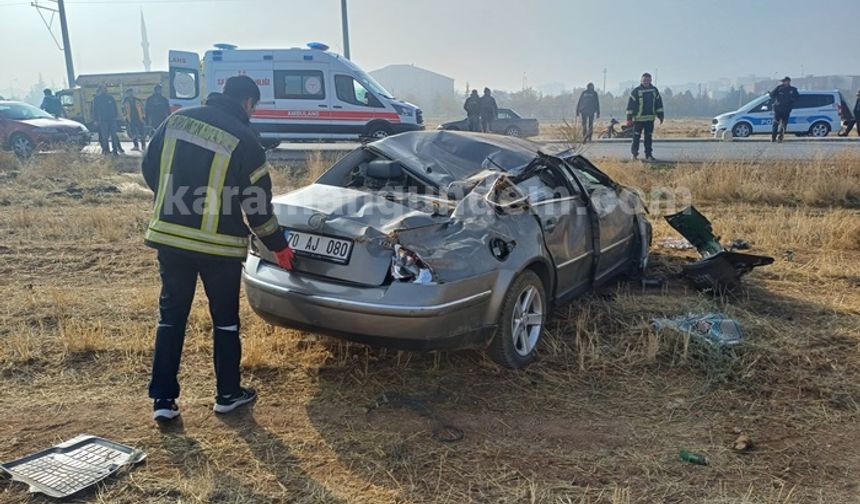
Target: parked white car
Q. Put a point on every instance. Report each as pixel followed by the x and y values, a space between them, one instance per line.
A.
pixel 816 113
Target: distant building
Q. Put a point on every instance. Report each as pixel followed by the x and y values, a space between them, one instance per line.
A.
pixel 417 84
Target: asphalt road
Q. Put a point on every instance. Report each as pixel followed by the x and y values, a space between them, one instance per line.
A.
pixel 678 150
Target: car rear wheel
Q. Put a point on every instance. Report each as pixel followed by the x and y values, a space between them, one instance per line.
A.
pixel 520 322
pixel 819 129
pixel 22 145
pixel 513 131
pixel 741 130
pixel 378 130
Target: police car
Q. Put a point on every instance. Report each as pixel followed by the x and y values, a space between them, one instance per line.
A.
pixel 816 113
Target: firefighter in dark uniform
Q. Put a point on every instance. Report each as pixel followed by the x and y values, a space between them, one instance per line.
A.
pixel 783 97
pixel 644 105
pixel 207 168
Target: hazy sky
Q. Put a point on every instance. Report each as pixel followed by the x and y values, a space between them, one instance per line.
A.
pixel 483 42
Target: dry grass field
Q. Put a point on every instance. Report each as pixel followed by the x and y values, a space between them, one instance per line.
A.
pixel 599 418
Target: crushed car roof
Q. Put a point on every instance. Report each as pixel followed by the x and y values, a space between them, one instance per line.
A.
pixel 445 156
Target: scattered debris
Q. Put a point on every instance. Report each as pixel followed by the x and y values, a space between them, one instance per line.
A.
pixel 72 466
pixel 714 328
pixel 743 444
pixel 693 458
pixel 788 255
pixel 719 269
pixel 738 244
pixel 675 243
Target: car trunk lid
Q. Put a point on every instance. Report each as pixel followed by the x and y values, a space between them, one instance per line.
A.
pixel 324 218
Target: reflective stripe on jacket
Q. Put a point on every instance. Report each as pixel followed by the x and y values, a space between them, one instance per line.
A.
pixel 645 104
pixel 207 169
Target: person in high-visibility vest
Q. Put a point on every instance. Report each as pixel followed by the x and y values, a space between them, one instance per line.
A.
pixel 644 105
pixel 207 168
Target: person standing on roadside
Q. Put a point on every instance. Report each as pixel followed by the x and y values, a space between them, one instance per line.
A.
pixel 51 104
pixel 489 111
pixel 587 106
pixel 783 97
pixel 851 119
pixel 157 109
pixel 473 111
pixel 105 115
pixel 211 153
pixel 644 105
pixel 132 109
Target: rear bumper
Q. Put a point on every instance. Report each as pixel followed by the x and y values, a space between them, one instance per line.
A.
pixel 408 316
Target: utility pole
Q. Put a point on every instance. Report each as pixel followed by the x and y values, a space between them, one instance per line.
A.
pixel 67 48
pixel 344 19
pixel 64 29
pixel 604 81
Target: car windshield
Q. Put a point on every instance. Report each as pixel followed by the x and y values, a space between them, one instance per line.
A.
pixel 371 84
pixel 22 112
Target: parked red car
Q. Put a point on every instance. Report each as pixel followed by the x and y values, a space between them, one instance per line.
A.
pixel 25 129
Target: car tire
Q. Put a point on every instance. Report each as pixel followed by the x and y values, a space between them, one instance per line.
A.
pixel 741 130
pixel 378 130
pixel 819 129
pixel 513 131
pixel 516 338
pixel 22 145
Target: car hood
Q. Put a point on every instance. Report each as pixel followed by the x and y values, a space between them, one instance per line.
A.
pixel 443 157
pixel 52 123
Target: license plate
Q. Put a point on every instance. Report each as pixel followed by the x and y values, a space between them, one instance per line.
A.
pixel 321 247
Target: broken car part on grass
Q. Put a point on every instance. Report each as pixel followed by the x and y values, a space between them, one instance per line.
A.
pixel 719 269
pixel 72 466
pixel 713 328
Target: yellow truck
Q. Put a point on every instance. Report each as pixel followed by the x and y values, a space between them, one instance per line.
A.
pixel 78 101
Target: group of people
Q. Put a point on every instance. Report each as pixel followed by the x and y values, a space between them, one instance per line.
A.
pixel 481 111
pixel 140 118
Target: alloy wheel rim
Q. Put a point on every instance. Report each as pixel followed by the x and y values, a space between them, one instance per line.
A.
pixel 818 130
pixel 379 134
pixel 527 322
pixel 21 146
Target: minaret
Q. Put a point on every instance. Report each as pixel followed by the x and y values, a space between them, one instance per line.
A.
pixel 144 43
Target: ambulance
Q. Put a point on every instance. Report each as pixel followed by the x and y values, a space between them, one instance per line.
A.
pixel 306 93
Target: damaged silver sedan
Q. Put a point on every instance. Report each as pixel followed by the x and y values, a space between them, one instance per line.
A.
pixel 445 240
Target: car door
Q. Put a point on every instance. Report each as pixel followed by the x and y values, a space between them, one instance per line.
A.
pixel 184 77
pixel 562 212
pixel 761 116
pixel 355 106
pixel 614 208
pixel 302 101
pixel 504 118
